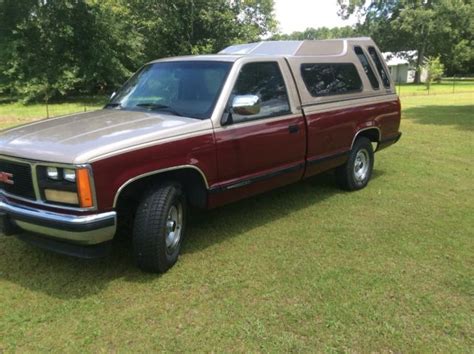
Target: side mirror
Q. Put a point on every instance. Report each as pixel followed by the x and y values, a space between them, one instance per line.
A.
pixel 246 105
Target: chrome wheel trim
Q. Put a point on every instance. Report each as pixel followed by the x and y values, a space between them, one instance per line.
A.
pixel 174 227
pixel 361 165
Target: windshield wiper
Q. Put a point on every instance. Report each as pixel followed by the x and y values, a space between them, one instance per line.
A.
pixel 113 105
pixel 158 106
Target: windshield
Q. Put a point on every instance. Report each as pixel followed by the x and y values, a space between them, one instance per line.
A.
pixel 184 88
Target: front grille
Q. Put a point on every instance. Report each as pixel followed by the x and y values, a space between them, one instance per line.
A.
pixel 22 180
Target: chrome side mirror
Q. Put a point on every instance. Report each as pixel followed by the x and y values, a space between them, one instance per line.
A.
pixel 246 105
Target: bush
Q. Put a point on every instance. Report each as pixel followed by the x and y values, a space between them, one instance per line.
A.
pixel 434 69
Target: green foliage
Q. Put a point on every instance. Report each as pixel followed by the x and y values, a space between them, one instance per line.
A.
pixel 442 28
pixel 434 69
pixel 320 33
pixel 56 48
pixel 198 26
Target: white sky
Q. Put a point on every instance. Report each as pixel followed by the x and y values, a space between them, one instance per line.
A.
pixel 297 15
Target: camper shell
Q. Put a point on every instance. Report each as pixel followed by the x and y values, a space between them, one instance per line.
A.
pixel 333 51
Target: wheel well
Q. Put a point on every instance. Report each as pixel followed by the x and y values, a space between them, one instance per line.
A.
pixel 192 181
pixel 373 134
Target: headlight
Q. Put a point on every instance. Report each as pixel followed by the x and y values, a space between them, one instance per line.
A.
pixel 53 173
pixel 66 186
pixel 69 175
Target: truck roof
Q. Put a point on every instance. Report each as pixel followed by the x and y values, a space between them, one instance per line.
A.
pixel 206 57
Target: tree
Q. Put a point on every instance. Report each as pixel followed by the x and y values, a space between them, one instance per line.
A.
pixel 11 13
pixel 320 33
pixel 56 48
pixel 180 27
pixel 432 27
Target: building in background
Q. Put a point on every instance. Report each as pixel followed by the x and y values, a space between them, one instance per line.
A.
pixel 402 66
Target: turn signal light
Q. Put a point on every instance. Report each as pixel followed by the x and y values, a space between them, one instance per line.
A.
pixel 84 189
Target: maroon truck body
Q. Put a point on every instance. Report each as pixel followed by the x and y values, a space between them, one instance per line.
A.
pixel 322 142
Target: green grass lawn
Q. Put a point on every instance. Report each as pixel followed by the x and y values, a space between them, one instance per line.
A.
pixel 445 87
pixel 303 268
pixel 15 113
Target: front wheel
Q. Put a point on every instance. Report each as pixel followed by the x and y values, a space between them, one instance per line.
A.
pixel 356 172
pixel 159 228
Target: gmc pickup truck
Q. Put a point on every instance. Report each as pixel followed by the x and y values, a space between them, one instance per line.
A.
pixel 197 131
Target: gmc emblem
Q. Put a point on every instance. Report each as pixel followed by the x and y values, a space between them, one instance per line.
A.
pixel 6 178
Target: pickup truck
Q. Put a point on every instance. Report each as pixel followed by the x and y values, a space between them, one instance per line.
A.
pixel 196 132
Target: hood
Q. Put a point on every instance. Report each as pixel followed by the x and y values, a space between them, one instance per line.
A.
pixel 83 137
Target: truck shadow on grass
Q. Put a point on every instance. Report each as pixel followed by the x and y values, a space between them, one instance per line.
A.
pixel 68 278
pixel 460 116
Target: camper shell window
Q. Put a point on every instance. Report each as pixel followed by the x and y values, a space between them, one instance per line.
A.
pixel 324 79
pixel 367 68
pixel 378 63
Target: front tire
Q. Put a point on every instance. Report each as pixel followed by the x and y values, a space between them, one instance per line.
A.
pixel 357 171
pixel 159 228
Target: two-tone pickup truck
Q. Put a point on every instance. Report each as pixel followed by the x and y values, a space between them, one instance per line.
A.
pixel 198 131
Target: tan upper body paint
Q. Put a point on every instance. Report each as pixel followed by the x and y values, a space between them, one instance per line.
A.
pixel 82 138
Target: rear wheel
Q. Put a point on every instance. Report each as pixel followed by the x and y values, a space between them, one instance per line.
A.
pixel 356 172
pixel 159 228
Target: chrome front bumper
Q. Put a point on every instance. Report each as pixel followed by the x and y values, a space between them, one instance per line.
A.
pixel 82 230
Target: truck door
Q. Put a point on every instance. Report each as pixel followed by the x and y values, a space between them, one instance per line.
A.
pixel 264 150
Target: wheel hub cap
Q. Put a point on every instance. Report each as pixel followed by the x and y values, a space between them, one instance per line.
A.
pixel 174 225
pixel 361 165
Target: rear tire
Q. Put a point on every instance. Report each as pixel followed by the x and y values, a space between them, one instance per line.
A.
pixel 159 228
pixel 357 171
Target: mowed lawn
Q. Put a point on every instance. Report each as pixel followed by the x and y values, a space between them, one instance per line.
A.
pixel 444 87
pixel 16 113
pixel 303 268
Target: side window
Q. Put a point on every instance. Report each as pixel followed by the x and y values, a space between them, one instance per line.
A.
pixel 367 68
pixel 331 79
pixel 378 63
pixel 264 80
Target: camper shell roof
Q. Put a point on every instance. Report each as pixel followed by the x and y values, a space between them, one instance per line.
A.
pixel 328 47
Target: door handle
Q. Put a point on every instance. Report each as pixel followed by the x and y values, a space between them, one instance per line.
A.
pixel 293 129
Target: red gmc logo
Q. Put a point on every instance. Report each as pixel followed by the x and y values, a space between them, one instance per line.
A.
pixel 6 178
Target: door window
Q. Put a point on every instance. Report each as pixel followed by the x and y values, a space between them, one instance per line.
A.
pixel 262 79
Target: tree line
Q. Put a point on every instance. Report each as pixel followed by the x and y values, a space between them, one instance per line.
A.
pixel 432 28
pixel 53 48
